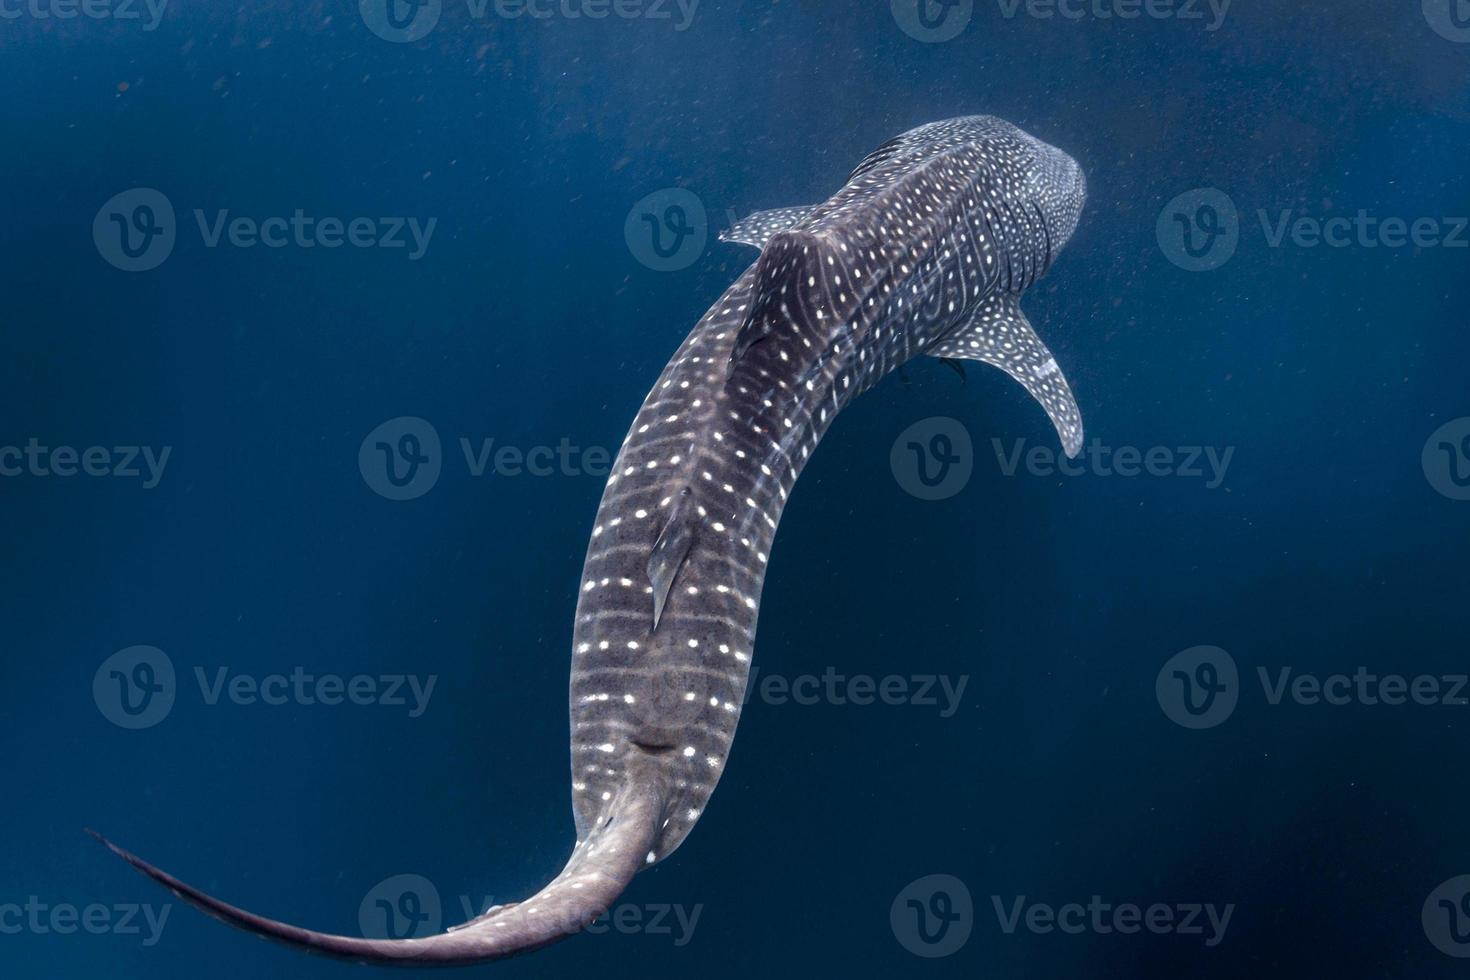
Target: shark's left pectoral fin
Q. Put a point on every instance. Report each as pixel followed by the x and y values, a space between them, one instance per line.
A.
pixel 758 228
pixel 1001 335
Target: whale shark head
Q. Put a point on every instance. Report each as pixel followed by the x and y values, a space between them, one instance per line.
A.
pixel 1056 181
pixel 1060 180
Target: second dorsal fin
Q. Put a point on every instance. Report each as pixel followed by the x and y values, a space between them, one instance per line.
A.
pixel 670 551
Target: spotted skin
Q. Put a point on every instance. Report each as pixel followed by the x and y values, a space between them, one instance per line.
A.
pixel 925 250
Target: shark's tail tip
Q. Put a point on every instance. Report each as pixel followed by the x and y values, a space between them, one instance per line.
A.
pixel 107 843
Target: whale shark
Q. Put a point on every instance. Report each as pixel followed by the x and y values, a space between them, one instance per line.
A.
pixel 926 250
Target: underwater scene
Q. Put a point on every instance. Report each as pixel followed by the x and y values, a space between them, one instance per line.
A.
pixel 694 488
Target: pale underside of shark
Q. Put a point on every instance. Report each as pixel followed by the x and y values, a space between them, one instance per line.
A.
pixel 926 249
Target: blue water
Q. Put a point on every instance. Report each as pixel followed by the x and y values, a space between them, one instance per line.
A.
pixel 1327 546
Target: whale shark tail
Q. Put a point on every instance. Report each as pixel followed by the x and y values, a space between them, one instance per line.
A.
pixel 600 868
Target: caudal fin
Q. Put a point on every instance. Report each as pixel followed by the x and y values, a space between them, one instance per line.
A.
pixel 600 868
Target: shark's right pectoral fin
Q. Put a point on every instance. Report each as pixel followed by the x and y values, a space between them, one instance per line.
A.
pixel 1001 335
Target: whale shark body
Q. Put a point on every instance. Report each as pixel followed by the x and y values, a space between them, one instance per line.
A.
pixel 925 250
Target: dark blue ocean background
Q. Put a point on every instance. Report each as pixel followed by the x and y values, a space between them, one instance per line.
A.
pixel 529 320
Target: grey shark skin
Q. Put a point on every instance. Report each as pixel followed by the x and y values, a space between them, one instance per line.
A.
pixel 925 250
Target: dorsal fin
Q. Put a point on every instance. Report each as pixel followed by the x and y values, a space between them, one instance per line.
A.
pixel 669 552
pixel 791 290
pixel 757 228
pixel 888 150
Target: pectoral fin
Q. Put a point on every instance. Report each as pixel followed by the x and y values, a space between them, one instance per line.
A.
pixel 1001 335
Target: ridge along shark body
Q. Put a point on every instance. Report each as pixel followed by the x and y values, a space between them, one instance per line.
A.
pixel 925 250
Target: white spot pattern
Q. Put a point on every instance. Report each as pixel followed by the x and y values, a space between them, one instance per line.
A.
pixel 925 250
